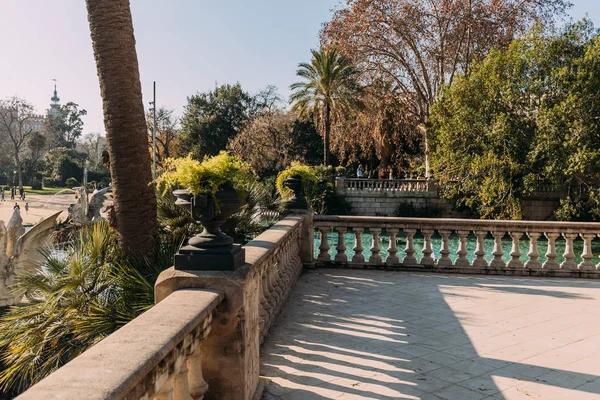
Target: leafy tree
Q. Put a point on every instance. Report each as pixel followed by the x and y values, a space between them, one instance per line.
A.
pixel 66 126
pixel 130 166
pixel 211 119
pixel 167 132
pixel 92 144
pixel 18 122
pixel 329 91
pixel 418 46
pixel 524 115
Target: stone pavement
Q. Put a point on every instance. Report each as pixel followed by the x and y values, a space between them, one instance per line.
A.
pixel 40 207
pixel 370 334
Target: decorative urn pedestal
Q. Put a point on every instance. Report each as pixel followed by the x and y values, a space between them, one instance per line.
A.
pixel 297 201
pixel 211 250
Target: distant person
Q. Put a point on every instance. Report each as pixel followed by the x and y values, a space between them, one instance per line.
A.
pixel 26 208
pixel 22 193
pixel 381 173
pixel 359 171
pixel 2 193
pixel 12 193
pixel 16 207
pixel 391 176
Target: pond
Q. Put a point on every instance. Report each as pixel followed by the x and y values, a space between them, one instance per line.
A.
pixel 436 242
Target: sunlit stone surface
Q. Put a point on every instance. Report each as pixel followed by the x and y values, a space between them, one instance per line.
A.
pixel 367 334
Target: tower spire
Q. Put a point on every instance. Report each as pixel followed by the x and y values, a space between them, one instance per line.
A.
pixel 55 105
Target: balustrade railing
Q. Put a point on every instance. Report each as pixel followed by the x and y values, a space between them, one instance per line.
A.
pixel 155 356
pixel 399 185
pixel 481 260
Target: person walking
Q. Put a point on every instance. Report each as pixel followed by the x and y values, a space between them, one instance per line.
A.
pixel 2 193
pixel 26 208
pixel 391 176
pixel 12 193
pixel 359 171
pixel 21 193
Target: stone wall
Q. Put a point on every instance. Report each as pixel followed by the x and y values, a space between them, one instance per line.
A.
pixel 369 199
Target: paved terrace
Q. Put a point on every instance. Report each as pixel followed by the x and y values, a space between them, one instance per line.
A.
pixel 368 334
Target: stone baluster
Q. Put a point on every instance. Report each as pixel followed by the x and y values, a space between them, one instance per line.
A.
pixel 427 258
pixel 358 256
pixel 445 260
pixel 409 258
pixel 163 386
pixel 324 247
pixel 586 263
pixel 392 258
pixel 569 254
pixel 515 253
pixel 551 255
pixel 265 307
pixel 533 251
pixel 341 256
pixel 181 388
pixel 198 385
pixel 497 261
pixel 480 261
pixel 375 257
pixel 462 260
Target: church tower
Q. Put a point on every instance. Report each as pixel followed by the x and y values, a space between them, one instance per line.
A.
pixel 55 105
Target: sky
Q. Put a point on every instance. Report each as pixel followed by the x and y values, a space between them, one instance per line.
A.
pixel 186 46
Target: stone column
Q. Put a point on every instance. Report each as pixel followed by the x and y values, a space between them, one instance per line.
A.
pixel 409 258
pixel 515 253
pixel 375 257
pixel 498 262
pixel 358 256
pixel 480 261
pixel 341 256
pixel 587 255
pixel 551 252
pixel 392 258
pixel 324 247
pixel 569 255
pixel 533 252
pixel 427 258
pixel 462 260
pixel 445 260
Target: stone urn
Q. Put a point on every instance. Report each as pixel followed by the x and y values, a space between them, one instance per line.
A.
pixel 297 201
pixel 211 250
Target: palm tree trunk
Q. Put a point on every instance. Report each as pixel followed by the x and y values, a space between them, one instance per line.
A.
pixel 113 41
pixel 326 157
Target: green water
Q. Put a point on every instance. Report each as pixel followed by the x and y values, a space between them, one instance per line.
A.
pixel 436 244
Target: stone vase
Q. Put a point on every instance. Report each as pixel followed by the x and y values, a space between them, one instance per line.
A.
pixel 210 250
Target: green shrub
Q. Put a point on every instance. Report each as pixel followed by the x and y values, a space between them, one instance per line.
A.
pixel 36 184
pixel 49 182
pixel 71 182
pixel 407 209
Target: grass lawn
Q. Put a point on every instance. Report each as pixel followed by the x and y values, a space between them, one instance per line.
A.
pixel 55 190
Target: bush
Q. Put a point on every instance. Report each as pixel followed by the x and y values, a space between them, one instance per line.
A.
pixel 407 209
pixel 71 182
pixel 49 182
pixel 36 184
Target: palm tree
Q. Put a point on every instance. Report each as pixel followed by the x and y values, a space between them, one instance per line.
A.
pixel 111 30
pixel 328 91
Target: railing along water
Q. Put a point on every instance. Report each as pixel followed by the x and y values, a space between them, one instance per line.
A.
pixel 155 356
pixel 401 185
pixel 517 230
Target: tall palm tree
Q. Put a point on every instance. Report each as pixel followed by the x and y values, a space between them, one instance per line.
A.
pixel 111 30
pixel 328 91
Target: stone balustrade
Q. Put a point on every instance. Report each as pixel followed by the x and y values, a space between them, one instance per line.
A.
pixel 390 185
pixel 156 356
pixel 167 353
pixel 532 231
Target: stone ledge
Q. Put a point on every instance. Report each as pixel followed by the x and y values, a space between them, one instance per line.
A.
pixel 536 272
pixel 116 365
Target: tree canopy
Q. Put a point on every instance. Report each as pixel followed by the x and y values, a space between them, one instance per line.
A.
pixel 527 114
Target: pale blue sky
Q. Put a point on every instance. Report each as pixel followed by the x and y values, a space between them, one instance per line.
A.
pixel 185 45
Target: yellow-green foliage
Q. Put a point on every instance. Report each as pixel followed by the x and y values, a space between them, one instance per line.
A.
pixel 310 179
pixel 210 175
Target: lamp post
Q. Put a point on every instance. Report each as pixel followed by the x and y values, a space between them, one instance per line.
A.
pixel 14 177
pixel 153 109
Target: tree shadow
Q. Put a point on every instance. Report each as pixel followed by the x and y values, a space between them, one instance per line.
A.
pixel 368 334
